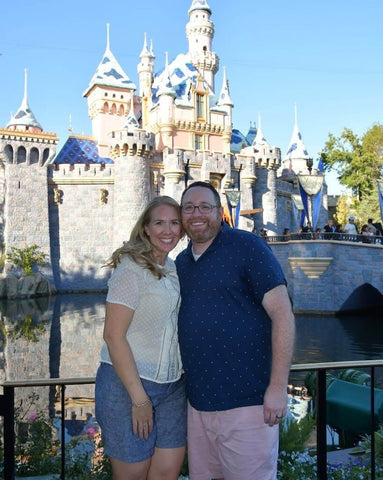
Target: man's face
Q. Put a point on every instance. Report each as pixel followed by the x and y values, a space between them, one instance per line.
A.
pixel 201 228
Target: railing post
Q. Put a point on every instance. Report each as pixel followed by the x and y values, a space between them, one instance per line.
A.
pixel 63 432
pixel 321 426
pixel 372 407
pixel 7 410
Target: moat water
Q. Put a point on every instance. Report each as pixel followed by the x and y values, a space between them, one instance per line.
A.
pixel 61 337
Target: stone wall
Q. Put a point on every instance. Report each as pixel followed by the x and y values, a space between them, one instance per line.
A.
pixel 332 276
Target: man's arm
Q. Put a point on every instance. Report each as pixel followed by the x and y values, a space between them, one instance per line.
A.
pixel 277 304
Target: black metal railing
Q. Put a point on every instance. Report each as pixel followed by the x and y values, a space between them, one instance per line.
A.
pixel 340 237
pixel 7 410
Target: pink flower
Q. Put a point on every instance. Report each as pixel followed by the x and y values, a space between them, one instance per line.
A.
pixel 91 431
pixel 32 417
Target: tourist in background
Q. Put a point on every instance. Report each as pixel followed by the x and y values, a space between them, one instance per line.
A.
pixel 371 227
pixel 236 332
pixel 140 369
pixel 350 227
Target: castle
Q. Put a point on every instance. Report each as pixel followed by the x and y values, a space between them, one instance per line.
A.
pixel 80 203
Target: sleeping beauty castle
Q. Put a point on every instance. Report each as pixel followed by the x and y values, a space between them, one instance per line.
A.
pixel 153 137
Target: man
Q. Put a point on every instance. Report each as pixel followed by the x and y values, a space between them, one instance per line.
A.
pixel 371 227
pixel 329 227
pixel 350 227
pixel 236 332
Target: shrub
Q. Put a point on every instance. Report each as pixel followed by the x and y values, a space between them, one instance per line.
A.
pixel 26 258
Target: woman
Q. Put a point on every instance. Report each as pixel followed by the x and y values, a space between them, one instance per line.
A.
pixel 140 399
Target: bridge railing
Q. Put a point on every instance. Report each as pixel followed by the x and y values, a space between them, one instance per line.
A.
pixel 344 237
pixel 7 410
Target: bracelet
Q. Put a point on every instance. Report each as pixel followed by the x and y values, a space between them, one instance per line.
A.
pixel 143 404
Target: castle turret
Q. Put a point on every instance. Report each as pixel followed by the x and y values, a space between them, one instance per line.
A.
pixel 131 150
pixel 295 161
pixel 145 70
pixel 267 160
pixel 200 34
pixel 166 95
pixel 109 95
pixel 227 104
pixel 25 152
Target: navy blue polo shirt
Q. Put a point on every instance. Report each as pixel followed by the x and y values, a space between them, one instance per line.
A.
pixel 224 332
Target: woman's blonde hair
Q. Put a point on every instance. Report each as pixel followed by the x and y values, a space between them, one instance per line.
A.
pixel 138 247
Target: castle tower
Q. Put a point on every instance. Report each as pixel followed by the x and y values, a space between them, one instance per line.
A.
pixel 200 34
pixel 25 152
pixel 145 70
pixel 296 156
pixel 227 104
pixel 166 95
pixel 267 160
pixel 109 97
pixel 131 149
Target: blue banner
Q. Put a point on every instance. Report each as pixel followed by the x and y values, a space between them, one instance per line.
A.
pixel 380 193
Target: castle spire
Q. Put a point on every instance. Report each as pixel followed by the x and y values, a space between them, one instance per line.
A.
pixel 199 5
pixel 109 72
pixel 145 51
pixel 296 149
pixel 131 123
pixel 166 88
pixel 224 97
pixel 260 140
pixel 24 118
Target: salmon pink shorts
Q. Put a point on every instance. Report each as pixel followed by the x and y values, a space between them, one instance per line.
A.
pixel 232 444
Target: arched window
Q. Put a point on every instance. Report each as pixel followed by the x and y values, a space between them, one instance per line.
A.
pixel 105 108
pixel 21 155
pixel 121 110
pixel 34 156
pixel 8 151
pixel 113 109
pixel 46 154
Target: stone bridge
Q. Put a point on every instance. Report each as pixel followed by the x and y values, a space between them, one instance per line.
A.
pixel 329 276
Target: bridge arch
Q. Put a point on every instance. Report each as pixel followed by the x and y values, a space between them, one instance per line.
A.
pixel 331 276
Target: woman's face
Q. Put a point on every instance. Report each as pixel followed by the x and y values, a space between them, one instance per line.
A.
pixel 164 231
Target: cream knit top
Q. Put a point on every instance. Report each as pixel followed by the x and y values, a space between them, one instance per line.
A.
pixel 152 335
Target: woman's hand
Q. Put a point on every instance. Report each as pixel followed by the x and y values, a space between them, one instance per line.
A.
pixel 142 419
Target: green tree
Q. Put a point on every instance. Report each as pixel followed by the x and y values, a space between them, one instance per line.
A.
pixel 26 258
pixel 358 161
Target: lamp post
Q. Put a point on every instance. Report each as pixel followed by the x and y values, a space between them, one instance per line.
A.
pixel 309 163
pixel 233 199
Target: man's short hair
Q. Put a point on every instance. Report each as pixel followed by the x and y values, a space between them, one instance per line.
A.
pixel 207 185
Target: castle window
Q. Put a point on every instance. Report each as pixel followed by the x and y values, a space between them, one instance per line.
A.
pixel 105 108
pixel 21 155
pixel 121 110
pixel 113 109
pixel 200 104
pixel 34 156
pixel 8 151
pixel 198 142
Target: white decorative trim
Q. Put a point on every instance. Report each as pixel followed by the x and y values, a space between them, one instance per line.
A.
pixel 312 267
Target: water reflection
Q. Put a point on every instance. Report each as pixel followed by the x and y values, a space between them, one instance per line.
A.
pixel 61 336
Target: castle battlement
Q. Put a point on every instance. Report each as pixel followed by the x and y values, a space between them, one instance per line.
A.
pixel 138 142
pixel 63 172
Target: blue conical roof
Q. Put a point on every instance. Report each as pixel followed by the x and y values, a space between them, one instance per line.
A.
pixel 110 73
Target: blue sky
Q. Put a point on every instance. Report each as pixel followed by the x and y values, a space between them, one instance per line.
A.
pixel 324 56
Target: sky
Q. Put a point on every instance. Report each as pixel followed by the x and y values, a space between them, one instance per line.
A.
pixel 324 56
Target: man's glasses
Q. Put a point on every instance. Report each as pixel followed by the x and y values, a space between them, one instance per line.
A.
pixel 203 208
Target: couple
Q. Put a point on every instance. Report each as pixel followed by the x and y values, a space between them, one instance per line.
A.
pixel 235 334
